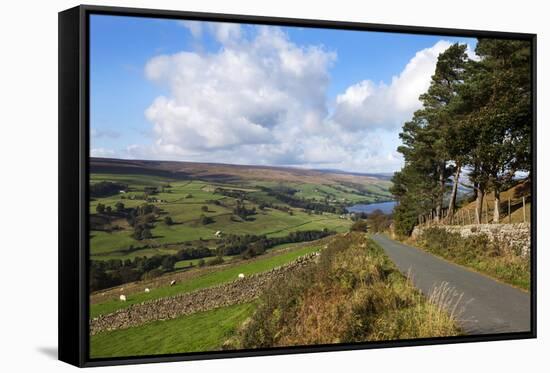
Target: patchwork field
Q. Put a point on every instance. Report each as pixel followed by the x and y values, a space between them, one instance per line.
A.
pixel 187 200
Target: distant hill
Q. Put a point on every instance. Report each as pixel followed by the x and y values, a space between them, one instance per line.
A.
pixel 232 173
pixel 378 175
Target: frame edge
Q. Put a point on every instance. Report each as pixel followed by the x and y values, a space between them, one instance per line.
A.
pixel 69 253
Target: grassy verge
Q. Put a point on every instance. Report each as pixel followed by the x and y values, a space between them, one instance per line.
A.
pixel 207 280
pixel 203 331
pixel 355 293
pixel 494 258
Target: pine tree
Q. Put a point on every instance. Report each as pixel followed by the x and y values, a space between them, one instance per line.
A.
pixel 496 97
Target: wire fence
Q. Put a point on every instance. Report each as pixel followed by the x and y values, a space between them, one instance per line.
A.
pixel 467 216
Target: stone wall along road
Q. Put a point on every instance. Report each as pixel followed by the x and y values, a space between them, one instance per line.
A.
pixel 517 235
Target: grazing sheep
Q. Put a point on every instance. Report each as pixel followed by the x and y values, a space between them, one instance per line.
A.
pixel 241 275
pixel 123 297
pixel 172 283
pixel 147 290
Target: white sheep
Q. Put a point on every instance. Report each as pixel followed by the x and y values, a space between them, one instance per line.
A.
pixel 241 275
pixel 172 283
pixel 147 290
pixel 123 297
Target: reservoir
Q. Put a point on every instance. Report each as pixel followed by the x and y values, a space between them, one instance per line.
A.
pixel 386 207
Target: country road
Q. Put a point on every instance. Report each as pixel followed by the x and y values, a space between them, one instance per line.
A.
pixel 490 306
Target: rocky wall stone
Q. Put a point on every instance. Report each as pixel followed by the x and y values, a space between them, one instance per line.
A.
pixel 517 235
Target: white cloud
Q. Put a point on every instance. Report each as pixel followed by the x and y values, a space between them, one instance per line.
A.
pixel 471 53
pixel 262 99
pixel 102 152
pixel 369 105
pixel 194 27
pixel 250 92
pixel 223 32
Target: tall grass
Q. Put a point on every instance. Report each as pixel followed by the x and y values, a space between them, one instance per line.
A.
pixel 496 258
pixel 353 294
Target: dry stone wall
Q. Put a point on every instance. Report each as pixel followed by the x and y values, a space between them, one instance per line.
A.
pixel 239 291
pixel 517 235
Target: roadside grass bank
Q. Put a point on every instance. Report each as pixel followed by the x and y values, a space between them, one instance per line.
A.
pixel 495 258
pixel 353 294
pixel 202 331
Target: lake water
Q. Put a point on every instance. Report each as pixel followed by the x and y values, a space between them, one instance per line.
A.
pixel 386 207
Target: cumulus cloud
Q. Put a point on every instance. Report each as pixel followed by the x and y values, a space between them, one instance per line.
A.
pixel 250 92
pixel 102 152
pixel 262 99
pixel 370 105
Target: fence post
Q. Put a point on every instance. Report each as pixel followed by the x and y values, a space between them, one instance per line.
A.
pixel 524 215
pixel 509 211
pixel 487 212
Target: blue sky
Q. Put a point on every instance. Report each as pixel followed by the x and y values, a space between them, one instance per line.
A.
pixel 302 97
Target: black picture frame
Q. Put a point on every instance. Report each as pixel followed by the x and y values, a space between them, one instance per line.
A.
pixel 74 145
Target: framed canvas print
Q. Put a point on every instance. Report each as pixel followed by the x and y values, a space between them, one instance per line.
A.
pixel 239 185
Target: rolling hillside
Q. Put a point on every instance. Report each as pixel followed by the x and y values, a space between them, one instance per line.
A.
pixel 217 172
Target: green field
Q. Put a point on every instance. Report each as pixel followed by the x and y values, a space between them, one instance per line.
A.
pixel 184 202
pixel 248 268
pixel 203 331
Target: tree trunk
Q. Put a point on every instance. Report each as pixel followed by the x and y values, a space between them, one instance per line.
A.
pixel 476 184
pixel 476 187
pixel 452 202
pixel 439 203
pixel 479 204
pixel 496 214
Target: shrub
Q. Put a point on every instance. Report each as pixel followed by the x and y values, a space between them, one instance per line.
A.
pixel 100 208
pixel 359 226
pixel 168 263
pixel 106 188
pixel 215 261
pixel 154 273
pixel 206 220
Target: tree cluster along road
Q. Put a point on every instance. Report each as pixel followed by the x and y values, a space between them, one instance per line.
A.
pixel 488 305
